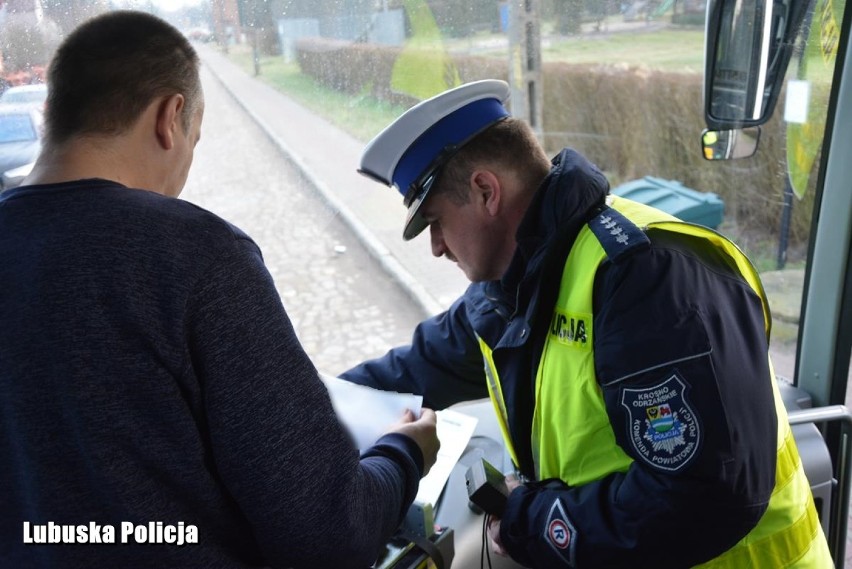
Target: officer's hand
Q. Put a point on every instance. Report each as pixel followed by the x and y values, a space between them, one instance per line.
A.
pixel 423 432
pixel 512 482
pixel 494 534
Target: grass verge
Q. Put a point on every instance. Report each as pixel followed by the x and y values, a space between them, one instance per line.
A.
pixel 361 116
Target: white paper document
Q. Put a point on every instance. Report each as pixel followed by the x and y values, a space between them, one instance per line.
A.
pixel 368 413
pixel 454 432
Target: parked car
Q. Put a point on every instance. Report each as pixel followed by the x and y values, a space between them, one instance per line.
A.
pixel 21 129
pixel 30 95
pixel 200 34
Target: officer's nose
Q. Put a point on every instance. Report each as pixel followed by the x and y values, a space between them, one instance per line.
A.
pixel 439 248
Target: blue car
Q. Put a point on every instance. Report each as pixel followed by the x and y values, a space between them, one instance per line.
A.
pixel 26 95
pixel 20 143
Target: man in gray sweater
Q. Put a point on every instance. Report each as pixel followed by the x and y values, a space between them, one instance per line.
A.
pixel 156 407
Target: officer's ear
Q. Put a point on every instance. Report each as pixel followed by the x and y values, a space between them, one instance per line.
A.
pixel 487 191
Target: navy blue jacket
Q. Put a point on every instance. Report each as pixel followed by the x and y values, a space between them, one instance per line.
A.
pixel 671 307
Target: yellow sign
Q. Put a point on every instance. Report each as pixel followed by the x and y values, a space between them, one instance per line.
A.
pixel 424 68
pixel 817 67
pixel 829 31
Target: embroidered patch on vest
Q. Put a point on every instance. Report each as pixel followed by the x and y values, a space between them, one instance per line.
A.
pixel 617 234
pixel 664 429
pixel 559 533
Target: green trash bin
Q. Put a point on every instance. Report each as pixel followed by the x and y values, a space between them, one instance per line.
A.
pixel 672 197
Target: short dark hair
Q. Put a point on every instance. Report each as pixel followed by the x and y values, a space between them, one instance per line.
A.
pixel 511 143
pixel 110 68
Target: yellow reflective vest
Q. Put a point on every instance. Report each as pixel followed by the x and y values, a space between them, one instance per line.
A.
pixel 572 438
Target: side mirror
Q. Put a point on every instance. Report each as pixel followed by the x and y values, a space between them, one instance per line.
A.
pixel 730 144
pixel 749 44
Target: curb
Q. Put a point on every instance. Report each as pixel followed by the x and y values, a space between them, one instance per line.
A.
pixel 425 301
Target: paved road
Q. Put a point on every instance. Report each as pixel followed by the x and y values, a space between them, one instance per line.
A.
pixel 343 306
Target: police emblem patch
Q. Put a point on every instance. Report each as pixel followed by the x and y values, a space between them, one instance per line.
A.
pixel 559 533
pixel 664 430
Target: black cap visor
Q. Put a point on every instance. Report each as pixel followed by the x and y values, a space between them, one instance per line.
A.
pixel 414 221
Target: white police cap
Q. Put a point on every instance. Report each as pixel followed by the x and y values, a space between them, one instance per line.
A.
pixel 409 152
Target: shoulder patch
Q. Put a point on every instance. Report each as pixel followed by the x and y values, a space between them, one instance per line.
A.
pixel 663 429
pixel 617 234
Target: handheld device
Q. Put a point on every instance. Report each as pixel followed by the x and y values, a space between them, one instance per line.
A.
pixel 486 487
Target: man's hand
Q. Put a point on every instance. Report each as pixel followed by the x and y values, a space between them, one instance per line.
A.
pixel 422 431
pixel 494 522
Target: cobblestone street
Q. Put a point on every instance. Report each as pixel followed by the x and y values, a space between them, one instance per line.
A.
pixel 343 306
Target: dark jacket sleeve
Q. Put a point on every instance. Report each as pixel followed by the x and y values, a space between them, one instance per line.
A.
pixel 443 363
pixel 673 333
pixel 274 439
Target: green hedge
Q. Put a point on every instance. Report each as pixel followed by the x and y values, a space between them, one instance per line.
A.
pixel 631 122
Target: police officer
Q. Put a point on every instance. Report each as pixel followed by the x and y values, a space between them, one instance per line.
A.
pixel 625 352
